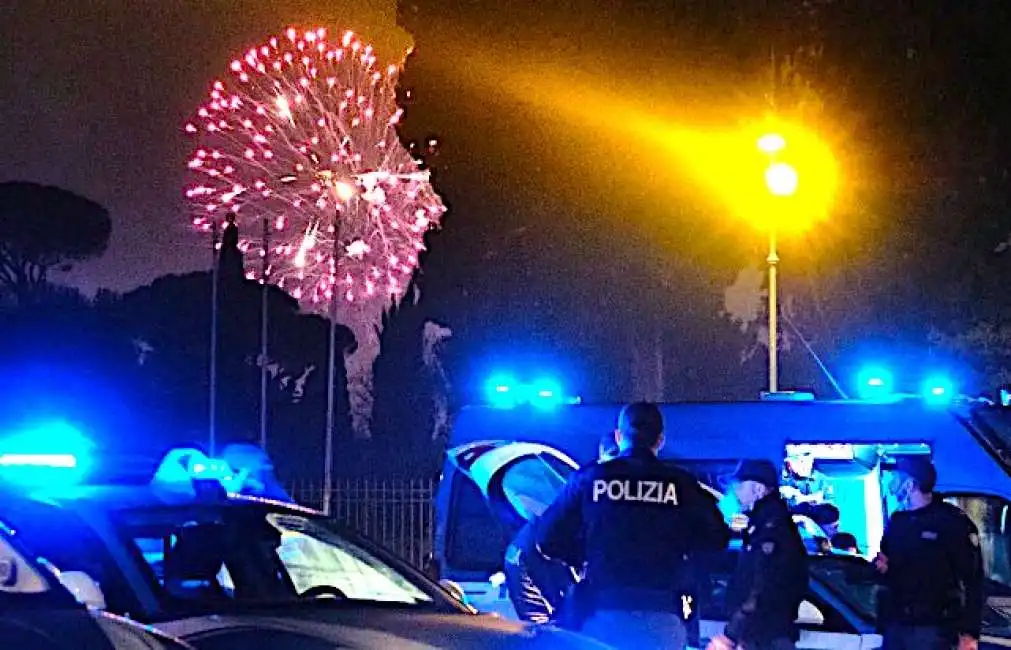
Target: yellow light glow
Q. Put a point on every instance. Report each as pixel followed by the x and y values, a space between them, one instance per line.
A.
pixel 781 179
pixel 771 143
pixel 344 190
pixel 676 153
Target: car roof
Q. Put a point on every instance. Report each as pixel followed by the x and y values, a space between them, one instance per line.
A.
pixel 112 498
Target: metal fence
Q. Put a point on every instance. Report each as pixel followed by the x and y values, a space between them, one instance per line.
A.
pixel 397 513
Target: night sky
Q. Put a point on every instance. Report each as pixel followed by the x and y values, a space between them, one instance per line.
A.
pixel 567 242
pixel 95 95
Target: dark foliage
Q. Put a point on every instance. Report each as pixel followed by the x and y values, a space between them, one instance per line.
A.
pixel 42 228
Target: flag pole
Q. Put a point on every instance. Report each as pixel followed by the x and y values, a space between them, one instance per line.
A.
pixel 264 324
pixel 213 372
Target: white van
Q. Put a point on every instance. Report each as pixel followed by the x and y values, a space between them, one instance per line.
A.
pixel 533 451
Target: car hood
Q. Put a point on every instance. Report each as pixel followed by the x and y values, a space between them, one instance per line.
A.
pixel 320 629
pixel 125 634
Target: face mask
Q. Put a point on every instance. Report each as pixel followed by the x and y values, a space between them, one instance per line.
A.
pixel 901 491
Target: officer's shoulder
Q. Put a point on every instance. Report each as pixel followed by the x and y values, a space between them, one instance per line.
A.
pixel 589 472
pixel 675 473
pixel 955 515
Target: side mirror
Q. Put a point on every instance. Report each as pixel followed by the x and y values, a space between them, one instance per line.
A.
pixel 454 589
pixel 84 588
pixel 808 614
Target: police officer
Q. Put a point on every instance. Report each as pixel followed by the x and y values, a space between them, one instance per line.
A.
pixel 768 586
pixel 538 586
pixel 931 566
pixel 635 522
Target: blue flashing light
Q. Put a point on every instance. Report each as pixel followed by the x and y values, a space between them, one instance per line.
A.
pixel 938 390
pixel 65 461
pixel 50 454
pixel 546 393
pixel 875 384
pixel 503 391
pixel 186 469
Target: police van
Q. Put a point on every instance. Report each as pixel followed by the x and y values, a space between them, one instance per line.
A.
pixel 505 461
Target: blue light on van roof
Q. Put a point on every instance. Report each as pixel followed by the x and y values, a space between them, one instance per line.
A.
pixel 546 393
pixel 875 384
pixel 938 390
pixel 503 391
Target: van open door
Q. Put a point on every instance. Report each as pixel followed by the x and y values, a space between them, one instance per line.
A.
pixel 495 486
pixel 518 479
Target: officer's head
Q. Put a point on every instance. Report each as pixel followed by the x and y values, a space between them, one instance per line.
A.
pixel 753 480
pixel 608 447
pixel 826 515
pixel 912 478
pixel 640 427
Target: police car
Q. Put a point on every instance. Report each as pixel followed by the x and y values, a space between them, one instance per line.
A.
pixel 37 612
pixel 185 553
pixel 489 484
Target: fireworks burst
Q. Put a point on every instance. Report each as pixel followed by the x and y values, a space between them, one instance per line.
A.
pixel 304 135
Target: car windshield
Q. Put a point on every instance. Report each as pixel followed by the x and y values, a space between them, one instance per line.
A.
pixel 209 558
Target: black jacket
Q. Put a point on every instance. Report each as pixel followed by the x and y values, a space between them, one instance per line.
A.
pixel 634 521
pixel 771 577
pixel 935 569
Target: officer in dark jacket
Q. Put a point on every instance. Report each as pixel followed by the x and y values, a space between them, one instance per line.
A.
pixel 931 566
pixel 538 586
pixel 768 586
pixel 635 523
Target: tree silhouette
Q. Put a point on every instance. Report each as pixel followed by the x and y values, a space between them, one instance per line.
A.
pixel 44 227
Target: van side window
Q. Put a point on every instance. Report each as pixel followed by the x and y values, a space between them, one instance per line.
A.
pixel 475 539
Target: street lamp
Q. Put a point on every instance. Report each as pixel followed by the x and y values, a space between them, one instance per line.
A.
pixel 781 180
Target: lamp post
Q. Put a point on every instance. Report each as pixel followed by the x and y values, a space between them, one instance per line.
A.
pixel 213 361
pixel 344 192
pixel 264 324
pixel 781 180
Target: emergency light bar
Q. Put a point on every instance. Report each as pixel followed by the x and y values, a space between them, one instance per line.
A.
pixel 183 468
pixel 50 453
pixel 67 461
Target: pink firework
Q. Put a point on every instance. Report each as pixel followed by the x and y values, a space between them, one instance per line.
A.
pixel 304 134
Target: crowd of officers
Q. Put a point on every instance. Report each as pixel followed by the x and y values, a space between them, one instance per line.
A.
pixel 621 552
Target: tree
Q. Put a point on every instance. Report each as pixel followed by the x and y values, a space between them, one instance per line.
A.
pixel 44 227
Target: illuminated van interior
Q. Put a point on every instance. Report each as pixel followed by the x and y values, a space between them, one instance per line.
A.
pixel 856 476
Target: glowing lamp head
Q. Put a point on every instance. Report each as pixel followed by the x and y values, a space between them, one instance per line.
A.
pixel 344 190
pixel 875 384
pixel 781 179
pixel 771 143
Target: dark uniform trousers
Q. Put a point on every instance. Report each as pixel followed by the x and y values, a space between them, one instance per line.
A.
pixel 934 581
